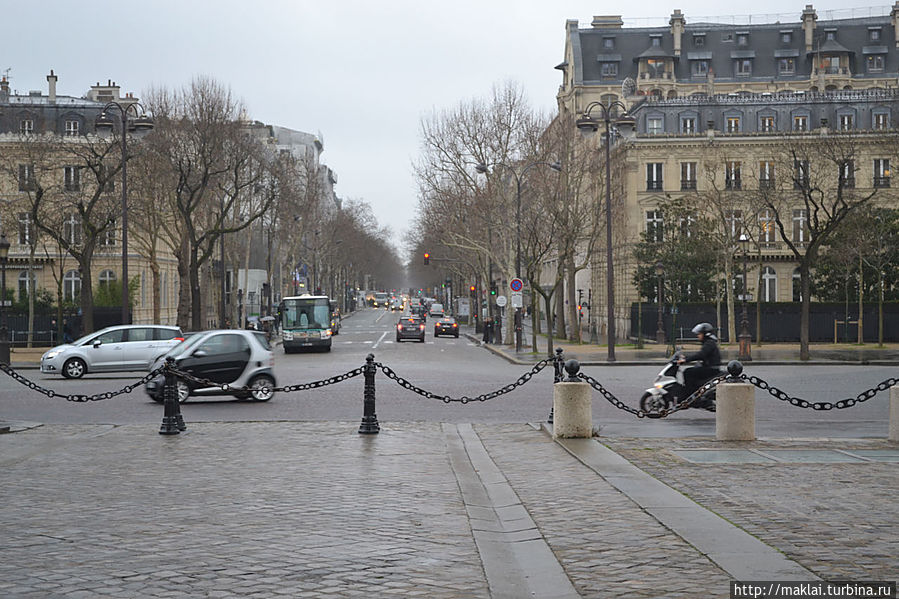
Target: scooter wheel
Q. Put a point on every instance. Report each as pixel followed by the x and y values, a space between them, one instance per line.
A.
pixel 652 403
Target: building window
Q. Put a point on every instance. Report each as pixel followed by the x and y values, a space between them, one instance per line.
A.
pixel 734 220
pixel 766 227
pixel 688 125
pixel 654 125
pixel 847 174
pixel 766 174
pixel 24 287
pixel 874 63
pixel 881 120
pixel 26 126
pixel 655 41
pixel 744 67
pixel 881 172
pixel 608 42
pixel 732 175
pixel 26 177
pixel 801 174
pixel 830 36
pixel 830 65
pixel 732 124
pixel 609 70
pixel 107 239
pixel 72 128
pixel 800 225
pixel 687 176
pixel 654 176
pixel 26 229
pixel 107 278
pixel 786 66
pixel 699 68
pixel 71 229
pixel 797 286
pixel 654 226
pixel 769 285
pixel 699 41
pixel 71 286
pixel 656 67
pixel 766 124
pixel 742 39
pixel 786 37
pixel 845 122
pixel 72 178
pixel 800 122
pixel 874 34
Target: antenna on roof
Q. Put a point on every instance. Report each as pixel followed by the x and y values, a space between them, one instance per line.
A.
pixel 6 73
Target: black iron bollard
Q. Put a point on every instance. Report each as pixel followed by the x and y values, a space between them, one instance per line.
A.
pixel 369 424
pixel 734 369
pixel 170 399
pixel 572 367
pixel 558 363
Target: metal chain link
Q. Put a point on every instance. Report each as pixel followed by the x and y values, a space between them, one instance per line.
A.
pixel 822 406
pixel 687 403
pixel 79 397
pixel 205 383
pixel 527 376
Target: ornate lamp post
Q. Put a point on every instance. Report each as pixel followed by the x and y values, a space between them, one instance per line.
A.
pixel 484 169
pixel 4 331
pixel 744 337
pixel 140 125
pixel 660 324
pixel 588 126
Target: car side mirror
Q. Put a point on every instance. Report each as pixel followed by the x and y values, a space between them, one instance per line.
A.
pixel 97 343
pixel 199 353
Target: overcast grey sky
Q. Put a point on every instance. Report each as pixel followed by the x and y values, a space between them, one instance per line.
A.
pixel 359 72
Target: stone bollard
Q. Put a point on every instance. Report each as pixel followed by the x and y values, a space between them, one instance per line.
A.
pixel 572 407
pixel 894 414
pixel 735 410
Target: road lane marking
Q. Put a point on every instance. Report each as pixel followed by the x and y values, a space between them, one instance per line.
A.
pixel 375 346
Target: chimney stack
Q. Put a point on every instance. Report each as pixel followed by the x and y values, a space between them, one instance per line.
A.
pixel 51 79
pixel 4 89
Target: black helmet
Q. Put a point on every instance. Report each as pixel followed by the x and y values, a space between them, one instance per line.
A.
pixel 703 327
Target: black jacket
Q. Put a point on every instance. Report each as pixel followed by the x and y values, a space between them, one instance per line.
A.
pixel 708 354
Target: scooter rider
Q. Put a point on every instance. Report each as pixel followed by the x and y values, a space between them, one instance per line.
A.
pixel 709 355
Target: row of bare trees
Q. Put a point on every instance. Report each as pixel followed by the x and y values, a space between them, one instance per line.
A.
pixel 202 175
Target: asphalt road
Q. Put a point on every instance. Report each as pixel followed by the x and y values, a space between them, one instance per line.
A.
pixel 458 367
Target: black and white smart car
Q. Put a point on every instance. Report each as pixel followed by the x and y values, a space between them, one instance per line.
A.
pixel 237 358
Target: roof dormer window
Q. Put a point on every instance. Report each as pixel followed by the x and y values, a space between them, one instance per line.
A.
pixel 699 40
pixel 655 41
pixel 830 35
pixel 874 34
pixel 742 38
pixel 608 43
pixel 786 37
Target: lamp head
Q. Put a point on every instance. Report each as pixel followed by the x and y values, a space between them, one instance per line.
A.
pixel 660 269
pixel 103 125
pixel 4 247
pixel 587 125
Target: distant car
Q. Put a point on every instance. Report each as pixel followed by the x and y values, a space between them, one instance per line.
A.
pixel 435 309
pixel 380 301
pixel 446 325
pixel 113 349
pixel 410 327
pixel 234 357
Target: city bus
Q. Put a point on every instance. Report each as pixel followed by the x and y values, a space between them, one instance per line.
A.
pixel 306 322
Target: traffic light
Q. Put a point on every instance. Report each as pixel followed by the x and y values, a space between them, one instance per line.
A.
pixel 471 290
pixel 492 288
pixel 427 258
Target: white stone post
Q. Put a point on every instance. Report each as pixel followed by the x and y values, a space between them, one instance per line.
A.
pixel 894 414
pixel 735 412
pixel 572 410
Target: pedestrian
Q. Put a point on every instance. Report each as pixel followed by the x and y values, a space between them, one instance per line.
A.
pixel 66 332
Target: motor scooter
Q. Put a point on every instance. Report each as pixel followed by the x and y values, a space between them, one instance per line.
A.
pixel 668 389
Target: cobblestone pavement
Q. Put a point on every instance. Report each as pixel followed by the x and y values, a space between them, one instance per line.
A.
pixel 607 544
pixel 839 520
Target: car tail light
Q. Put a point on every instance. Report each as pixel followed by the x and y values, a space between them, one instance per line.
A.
pixel 399 327
pixel 178 338
pixel 455 325
pixel 421 326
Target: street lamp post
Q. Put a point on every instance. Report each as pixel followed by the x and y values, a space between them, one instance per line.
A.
pixel 142 124
pixel 588 126
pixel 4 330
pixel 660 325
pixel 484 169
pixel 744 337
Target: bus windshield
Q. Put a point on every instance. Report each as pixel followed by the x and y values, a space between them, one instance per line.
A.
pixel 305 313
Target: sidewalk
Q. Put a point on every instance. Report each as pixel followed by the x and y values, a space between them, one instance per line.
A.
pixel 432 510
pixel 767 353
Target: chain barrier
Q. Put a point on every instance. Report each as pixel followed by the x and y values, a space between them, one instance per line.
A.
pixel 205 383
pixel 687 403
pixel 79 398
pixel 819 405
pixel 527 376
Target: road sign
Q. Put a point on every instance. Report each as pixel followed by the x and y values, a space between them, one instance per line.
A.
pixel 516 285
pixel 517 302
pixel 501 301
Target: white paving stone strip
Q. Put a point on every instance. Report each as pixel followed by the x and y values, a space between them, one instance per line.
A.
pixel 516 558
pixel 738 553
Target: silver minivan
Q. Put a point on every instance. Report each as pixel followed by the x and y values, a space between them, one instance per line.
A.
pixel 113 349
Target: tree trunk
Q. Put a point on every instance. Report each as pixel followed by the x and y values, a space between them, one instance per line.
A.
pixel 154 270
pixel 196 313
pixel 184 292
pixel 32 292
pixel 87 294
pixel 758 304
pixel 549 325
pixel 861 305
pixel 731 303
pixel 560 329
pixel 575 332
pixel 804 312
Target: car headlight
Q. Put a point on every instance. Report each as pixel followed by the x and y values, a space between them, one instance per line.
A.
pixel 326 333
pixel 51 354
pixel 288 336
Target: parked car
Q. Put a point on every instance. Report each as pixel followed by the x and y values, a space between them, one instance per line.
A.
pixel 410 327
pixel 113 349
pixel 238 358
pixel 446 326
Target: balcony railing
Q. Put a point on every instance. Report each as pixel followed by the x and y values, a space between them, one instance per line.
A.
pixel 688 184
pixel 881 181
pixel 653 186
pixel 733 184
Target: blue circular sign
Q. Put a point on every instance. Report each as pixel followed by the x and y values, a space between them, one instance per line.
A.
pixel 516 285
